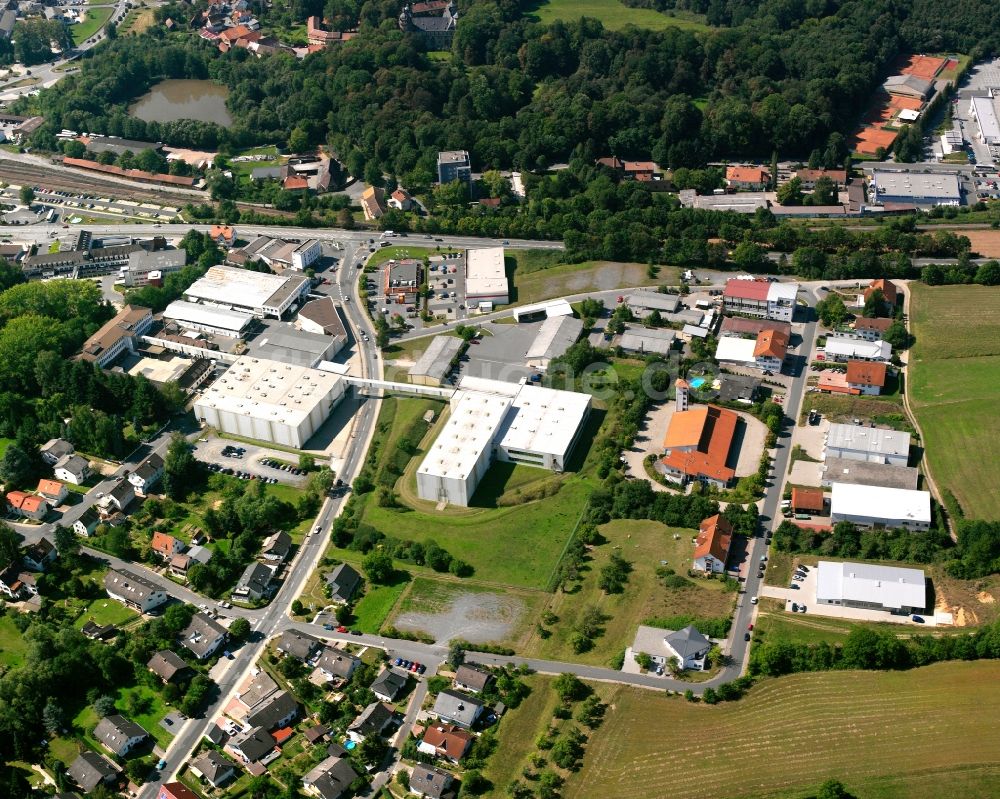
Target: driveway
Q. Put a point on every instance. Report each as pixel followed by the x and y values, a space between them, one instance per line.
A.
pixel 210 451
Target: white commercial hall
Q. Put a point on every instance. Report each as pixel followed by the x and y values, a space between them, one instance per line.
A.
pixel 485 276
pixel 876 506
pixel 270 401
pixel 871 586
pixel 493 420
pixel 256 293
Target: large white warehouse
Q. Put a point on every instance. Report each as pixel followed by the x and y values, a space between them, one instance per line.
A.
pixel 485 276
pixel 875 506
pixel 257 293
pixel 493 420
pixel 270 401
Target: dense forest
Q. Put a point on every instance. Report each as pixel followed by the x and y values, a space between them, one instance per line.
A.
pixel 517 93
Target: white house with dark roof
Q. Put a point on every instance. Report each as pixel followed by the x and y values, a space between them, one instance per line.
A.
pixel 203 636
pixel 689 647
pixel 255 582
pixel 119 735
pixel 458 708
pixel 212 767
pixel 389 685
pixel 429 782
pixel 134 590
pixel 343 582
pixel 72 469
pixel 147 474
pixel 54 450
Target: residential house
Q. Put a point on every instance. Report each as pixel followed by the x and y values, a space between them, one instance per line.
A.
pixel 257 691
pixel 457 708
pixel 252 746
pixel 16 584
pixel 738 388
pixel 888 289
pixel 689 647
pixel 98 632
pixel 808 177
pixel 147 474
pixel 400 200
pixel 343 582
pixel 447 741
pixel 39 555
pixel 313 735
pixel 200 553
pixel 871 329
pixel 255 583
pixel 176 790
pixel 866 377
pixel 274 712
pixel 331 778
pixel 167 665
pixel 373 203
pixel 769 351
pixel 179 565
pixel 747 178
pixel 715 536
pixel 223 235
pixel 337 664
pixel 373 720
pixel 203 636
pixel 166 546
pixel 298 645
pixel 133 590
pixel 807 500
pixel 389 685
pixel 27 505
pixel 119 735
pixel 52 491
pixel 118 498
pixel 761 298
pixel 90 770
pixel 472 679
pixel 215 769
pixel 430 782
pixel 86 525
pixel 276 547
pixel 8 19
pixel 54 450
pixel 742 326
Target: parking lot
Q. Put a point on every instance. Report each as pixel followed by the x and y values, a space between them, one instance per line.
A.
pixel 211 451
pixel 501 352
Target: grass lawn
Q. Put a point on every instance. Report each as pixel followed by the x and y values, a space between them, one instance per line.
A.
pixel 519 729
pixel 396 252
pixel 4 443
pixel 645 544
pixel 884 734
pixel 615 15
pixel 12 644
pixel 537 275
pixel 105 611
pixel 888 410
pixel 375 606
pixel 96 17
pixel 954 384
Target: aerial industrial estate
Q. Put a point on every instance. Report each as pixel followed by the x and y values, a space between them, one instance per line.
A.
pixel 388 413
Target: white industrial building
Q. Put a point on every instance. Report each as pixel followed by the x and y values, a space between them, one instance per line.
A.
pixel 543 310
pixel 485 276
pixel 842 349
pixel 871 586
pixel 875 506
pixel 738 351
pixel 984 111
pixel 207 318
pixel 556 335
pixel 915 188
pixel 256 293
pixel 872 444
pixel 270 401
pixel 520 423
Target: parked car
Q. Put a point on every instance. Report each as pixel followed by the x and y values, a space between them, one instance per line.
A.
pixel 917 619
pixel 753 600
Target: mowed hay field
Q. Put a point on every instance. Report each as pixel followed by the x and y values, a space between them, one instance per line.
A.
pixel 884 734
pixel 614 15
pixel 954 385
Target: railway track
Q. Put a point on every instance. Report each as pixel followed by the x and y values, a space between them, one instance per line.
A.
pixel 69 180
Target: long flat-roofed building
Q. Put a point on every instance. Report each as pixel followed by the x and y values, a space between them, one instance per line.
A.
pixel 642 302
pixel 843 349
pixel 915 188
pixel 871 586
pixel 872 444
pixel 647 340
pixel 435 363
pixel 257 293
pixel 298 347
pixel 499 421
pixel 144 263
pixel 270 401
pixel 208 318
pixel 876 506
pixel 984 111
pixel 556 335
pixel 117 335
pixel 762 298
pixel 485 276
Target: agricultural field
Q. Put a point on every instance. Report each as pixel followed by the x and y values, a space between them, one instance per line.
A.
pixel 646 545
pixel 615 15
pixel 954 383
pixel 884 734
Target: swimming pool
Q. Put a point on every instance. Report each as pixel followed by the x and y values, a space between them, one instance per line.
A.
pixel 349 745
pixel 697 382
